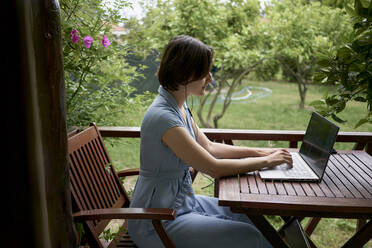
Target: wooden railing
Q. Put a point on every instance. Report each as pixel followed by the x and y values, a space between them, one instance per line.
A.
pixel 361 140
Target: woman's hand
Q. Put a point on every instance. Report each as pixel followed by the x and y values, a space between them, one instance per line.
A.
pixel 279 156
pixel 266 151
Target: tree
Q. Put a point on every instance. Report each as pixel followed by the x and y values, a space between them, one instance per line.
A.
pixel 330 3
pixel 229 27
pixel 296 33
pixel 349 68
pixel 97 75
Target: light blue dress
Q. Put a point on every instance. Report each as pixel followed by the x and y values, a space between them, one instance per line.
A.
pixel 165 182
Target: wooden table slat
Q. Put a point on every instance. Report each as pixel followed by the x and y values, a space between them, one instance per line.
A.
pixel 317 190
pixel 280 188
pixel 358 166
pixel 298 188
pixel 349 178
pixel 270 187
pixel 307 189
pixel 331 186
pixel 341 182
pixel 260 184
pixel 361 178
pixel 253 184
pixel 366 160
pixel 289 188
pixel 244 184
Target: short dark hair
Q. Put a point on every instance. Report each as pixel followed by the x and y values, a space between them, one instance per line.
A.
pixel 185 59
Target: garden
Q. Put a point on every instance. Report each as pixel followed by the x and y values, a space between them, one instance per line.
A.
pixel 273 67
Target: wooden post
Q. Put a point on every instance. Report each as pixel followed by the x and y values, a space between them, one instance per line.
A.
pixel 37 199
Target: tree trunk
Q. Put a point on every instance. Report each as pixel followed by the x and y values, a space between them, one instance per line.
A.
pixel 37 178
pixel 301 83
pixel 237 81
pixel 302 88
pixel 203 101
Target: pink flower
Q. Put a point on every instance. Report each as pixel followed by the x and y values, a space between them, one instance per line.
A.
pixel 105 41
pixel 75 36
pixel 88 41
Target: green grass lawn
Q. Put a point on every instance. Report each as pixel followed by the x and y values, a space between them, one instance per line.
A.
pixel 277 111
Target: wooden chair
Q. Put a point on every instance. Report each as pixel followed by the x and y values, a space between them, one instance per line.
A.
pixel 98 195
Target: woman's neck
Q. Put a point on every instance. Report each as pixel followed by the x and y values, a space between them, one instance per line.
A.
pixel 180 96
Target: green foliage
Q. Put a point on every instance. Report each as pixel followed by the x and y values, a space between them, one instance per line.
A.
pixel 228 26
pixel 96 78
pixel 297 32
pixel 330 3
pixel 109 234
pixel 350 68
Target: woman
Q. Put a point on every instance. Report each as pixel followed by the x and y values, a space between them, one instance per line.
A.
pixel 171 142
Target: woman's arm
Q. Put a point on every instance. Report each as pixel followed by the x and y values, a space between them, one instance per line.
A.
pixel 220 150
pixel 184 146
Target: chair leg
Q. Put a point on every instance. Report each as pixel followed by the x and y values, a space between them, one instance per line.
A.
pixel 168 243
pixel 310 227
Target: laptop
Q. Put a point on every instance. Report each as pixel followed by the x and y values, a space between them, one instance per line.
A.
pixel 311 161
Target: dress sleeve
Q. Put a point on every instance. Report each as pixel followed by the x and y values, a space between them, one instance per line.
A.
pixel 167 121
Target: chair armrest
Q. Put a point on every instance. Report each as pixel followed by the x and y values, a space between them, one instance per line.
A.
pixel 128 172
pixel 126 213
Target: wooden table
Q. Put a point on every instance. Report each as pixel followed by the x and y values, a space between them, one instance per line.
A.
pixel 345 192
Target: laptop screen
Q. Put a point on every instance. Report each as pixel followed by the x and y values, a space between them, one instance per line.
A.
pixel 318 142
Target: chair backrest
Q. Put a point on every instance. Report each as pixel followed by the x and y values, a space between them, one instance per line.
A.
pixel 93 180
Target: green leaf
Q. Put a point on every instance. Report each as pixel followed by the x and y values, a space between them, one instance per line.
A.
pixel 325 95
pixel 316 102
pixel 365 3
pixel 350 10
pixel 360 99
pixel 361 122
pixel 336 118
pixel 324 62
pixel 325 80
pixel 332 101
pixel 344 52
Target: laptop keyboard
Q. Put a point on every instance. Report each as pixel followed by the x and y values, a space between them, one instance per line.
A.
pixel 300 169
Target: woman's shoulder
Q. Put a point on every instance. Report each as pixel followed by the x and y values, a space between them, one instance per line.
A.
pixel 160 116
